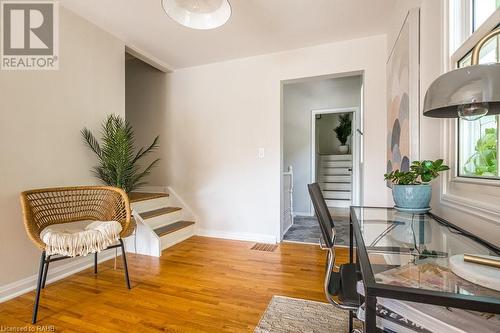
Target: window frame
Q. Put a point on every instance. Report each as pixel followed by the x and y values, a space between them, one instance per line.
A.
pixel 461 26
pixel 478 198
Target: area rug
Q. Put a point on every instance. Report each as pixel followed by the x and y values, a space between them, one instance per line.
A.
pixel 305 229
pixel 285 314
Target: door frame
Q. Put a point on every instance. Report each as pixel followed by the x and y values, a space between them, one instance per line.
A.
pixel 356 144
pixel 360 121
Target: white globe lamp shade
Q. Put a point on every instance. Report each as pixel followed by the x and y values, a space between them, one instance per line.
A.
pixel 198 14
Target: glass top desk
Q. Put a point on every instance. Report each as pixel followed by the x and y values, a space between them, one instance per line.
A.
pixel 405 256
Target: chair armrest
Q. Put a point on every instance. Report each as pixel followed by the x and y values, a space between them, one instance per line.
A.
pixel 325 248
pixel 128 232
pixel 322 245
pixel 120 211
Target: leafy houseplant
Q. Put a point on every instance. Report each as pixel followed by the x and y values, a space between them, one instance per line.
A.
pixel 118 158
pixel 343 131
pixel 411 189
pixel 484 161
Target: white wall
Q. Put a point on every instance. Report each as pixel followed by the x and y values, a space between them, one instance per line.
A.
pixel 145 106
pixel 396 18
pixel 433 63
pixel 220 114
pixel 299 99
pixel 41 115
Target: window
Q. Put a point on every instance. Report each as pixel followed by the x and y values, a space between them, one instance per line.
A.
pixel 478 141
pixel 481 10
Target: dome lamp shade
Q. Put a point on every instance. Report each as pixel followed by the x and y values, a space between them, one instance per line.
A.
pixel 468 93
pixel 198 14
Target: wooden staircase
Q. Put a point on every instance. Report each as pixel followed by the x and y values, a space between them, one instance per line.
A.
pixel 161 223
pixel 335 179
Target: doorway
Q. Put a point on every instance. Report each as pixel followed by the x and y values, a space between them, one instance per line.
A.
pixel 315 113
pixel 335 156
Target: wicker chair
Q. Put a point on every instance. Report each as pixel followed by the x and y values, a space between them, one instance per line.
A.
pixel 46 207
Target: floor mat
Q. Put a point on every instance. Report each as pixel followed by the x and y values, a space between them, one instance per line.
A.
pixel 305 229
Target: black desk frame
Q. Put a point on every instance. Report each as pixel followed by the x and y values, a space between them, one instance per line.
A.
pixel 373 289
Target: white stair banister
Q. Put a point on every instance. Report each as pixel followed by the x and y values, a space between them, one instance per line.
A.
pixel 288 198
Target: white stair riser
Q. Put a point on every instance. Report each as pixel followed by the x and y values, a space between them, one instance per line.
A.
pixel 336 158
pixel 336 179
pixel 335 171
pixel 336 164
pixel 336 195
pixel 335 187
pixel 176 237
pixel 147 241
pixel 338 203
pixel 149 205
pixel 162 220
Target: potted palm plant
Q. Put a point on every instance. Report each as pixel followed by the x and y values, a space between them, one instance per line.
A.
pixel 411 189
pixel 343 131
pixel 118 158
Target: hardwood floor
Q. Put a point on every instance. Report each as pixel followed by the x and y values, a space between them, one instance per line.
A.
pixel 199 285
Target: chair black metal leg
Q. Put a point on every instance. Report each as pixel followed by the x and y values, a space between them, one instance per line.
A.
pixel 371 314
pixel 38 287
pixel 125 263
pixel 45 271
pixel 350 320
pixel 95 263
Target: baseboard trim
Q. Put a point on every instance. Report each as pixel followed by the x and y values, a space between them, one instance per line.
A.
pixel 309 243
pixel 295 214
pixel 286 230
pixel 28 284
pixel 260 238
pixel 298 242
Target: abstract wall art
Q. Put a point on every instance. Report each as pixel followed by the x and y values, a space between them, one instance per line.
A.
pixel 403 96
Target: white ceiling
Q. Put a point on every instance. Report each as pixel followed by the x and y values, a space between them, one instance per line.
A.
pixel 255 27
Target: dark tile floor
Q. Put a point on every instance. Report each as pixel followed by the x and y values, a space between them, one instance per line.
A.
pixel 305 229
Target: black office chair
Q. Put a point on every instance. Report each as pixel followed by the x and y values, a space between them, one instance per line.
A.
pixel 340 282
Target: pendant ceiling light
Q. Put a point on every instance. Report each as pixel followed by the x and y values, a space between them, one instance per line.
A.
pixel 198 14
pixel 468 93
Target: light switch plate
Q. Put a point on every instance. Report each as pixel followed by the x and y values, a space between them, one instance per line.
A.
pixel 262 153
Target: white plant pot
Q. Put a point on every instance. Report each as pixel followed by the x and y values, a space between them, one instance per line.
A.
pixel 344 149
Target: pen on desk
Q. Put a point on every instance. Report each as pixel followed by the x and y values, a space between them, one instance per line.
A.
pixel 482 260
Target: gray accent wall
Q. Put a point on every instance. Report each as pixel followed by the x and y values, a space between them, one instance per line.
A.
pixel 146 110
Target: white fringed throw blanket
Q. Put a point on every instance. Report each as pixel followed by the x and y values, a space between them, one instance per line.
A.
pixel 70 239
